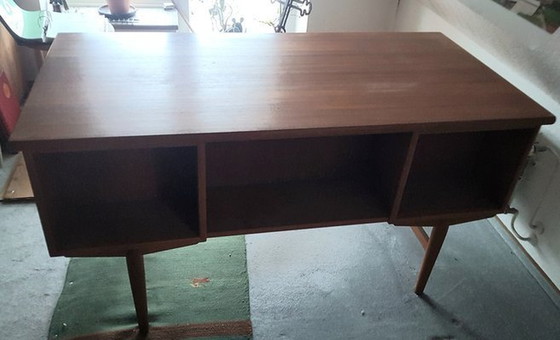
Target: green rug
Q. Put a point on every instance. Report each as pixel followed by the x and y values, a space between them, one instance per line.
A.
pixel 196 291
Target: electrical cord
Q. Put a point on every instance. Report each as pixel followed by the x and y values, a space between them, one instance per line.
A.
pixel 515 213
pixel 536 149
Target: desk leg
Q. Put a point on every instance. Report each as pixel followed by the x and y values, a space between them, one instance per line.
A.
pixel 137 277
pixel 421 235
pixel 434 245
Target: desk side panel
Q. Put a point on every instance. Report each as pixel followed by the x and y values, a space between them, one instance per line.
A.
pixel 463 174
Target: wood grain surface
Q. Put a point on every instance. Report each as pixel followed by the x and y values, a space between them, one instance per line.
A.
pixel 101 89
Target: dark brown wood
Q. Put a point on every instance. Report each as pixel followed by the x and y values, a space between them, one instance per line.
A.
pixel 432 251
pixel 463 172
pixel 273 184
pixel 444 217
pixel 202 196
pixel 401 82
pixel 109 193
pixel 137 277
pixel 291 205
pixel 44 205
pixel 214 136
pixel 405 171
pixel 421 235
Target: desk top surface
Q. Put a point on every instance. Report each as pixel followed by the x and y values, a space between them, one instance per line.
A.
pixel 106 87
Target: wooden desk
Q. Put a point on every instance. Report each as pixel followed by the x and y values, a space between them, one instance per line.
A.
pixel 137 143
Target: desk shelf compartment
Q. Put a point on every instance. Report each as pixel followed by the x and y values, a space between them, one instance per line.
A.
pixel 268 185
pixel 102 201
pixel 463 173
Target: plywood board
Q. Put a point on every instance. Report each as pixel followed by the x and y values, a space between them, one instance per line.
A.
pixel 18 186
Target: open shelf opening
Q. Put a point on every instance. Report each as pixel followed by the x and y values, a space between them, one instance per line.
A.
pixel 275 184
pixel 463 172
pixel 108 198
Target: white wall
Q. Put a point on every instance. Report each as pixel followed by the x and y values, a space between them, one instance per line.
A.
pixel 528 58
pixel 352 15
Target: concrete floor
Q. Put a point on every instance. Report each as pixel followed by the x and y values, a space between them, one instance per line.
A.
pixel 351 282
pixel 356 282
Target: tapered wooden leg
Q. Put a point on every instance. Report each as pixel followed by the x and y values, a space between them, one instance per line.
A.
pixel 137 277
pixel 434 245
pixel 421 235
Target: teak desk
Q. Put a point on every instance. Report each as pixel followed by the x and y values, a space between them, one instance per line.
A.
pixel 140 142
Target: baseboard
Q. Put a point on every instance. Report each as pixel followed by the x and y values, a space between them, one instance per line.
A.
pixel 528 262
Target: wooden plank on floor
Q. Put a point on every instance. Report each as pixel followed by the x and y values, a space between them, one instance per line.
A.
pixel 18 186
